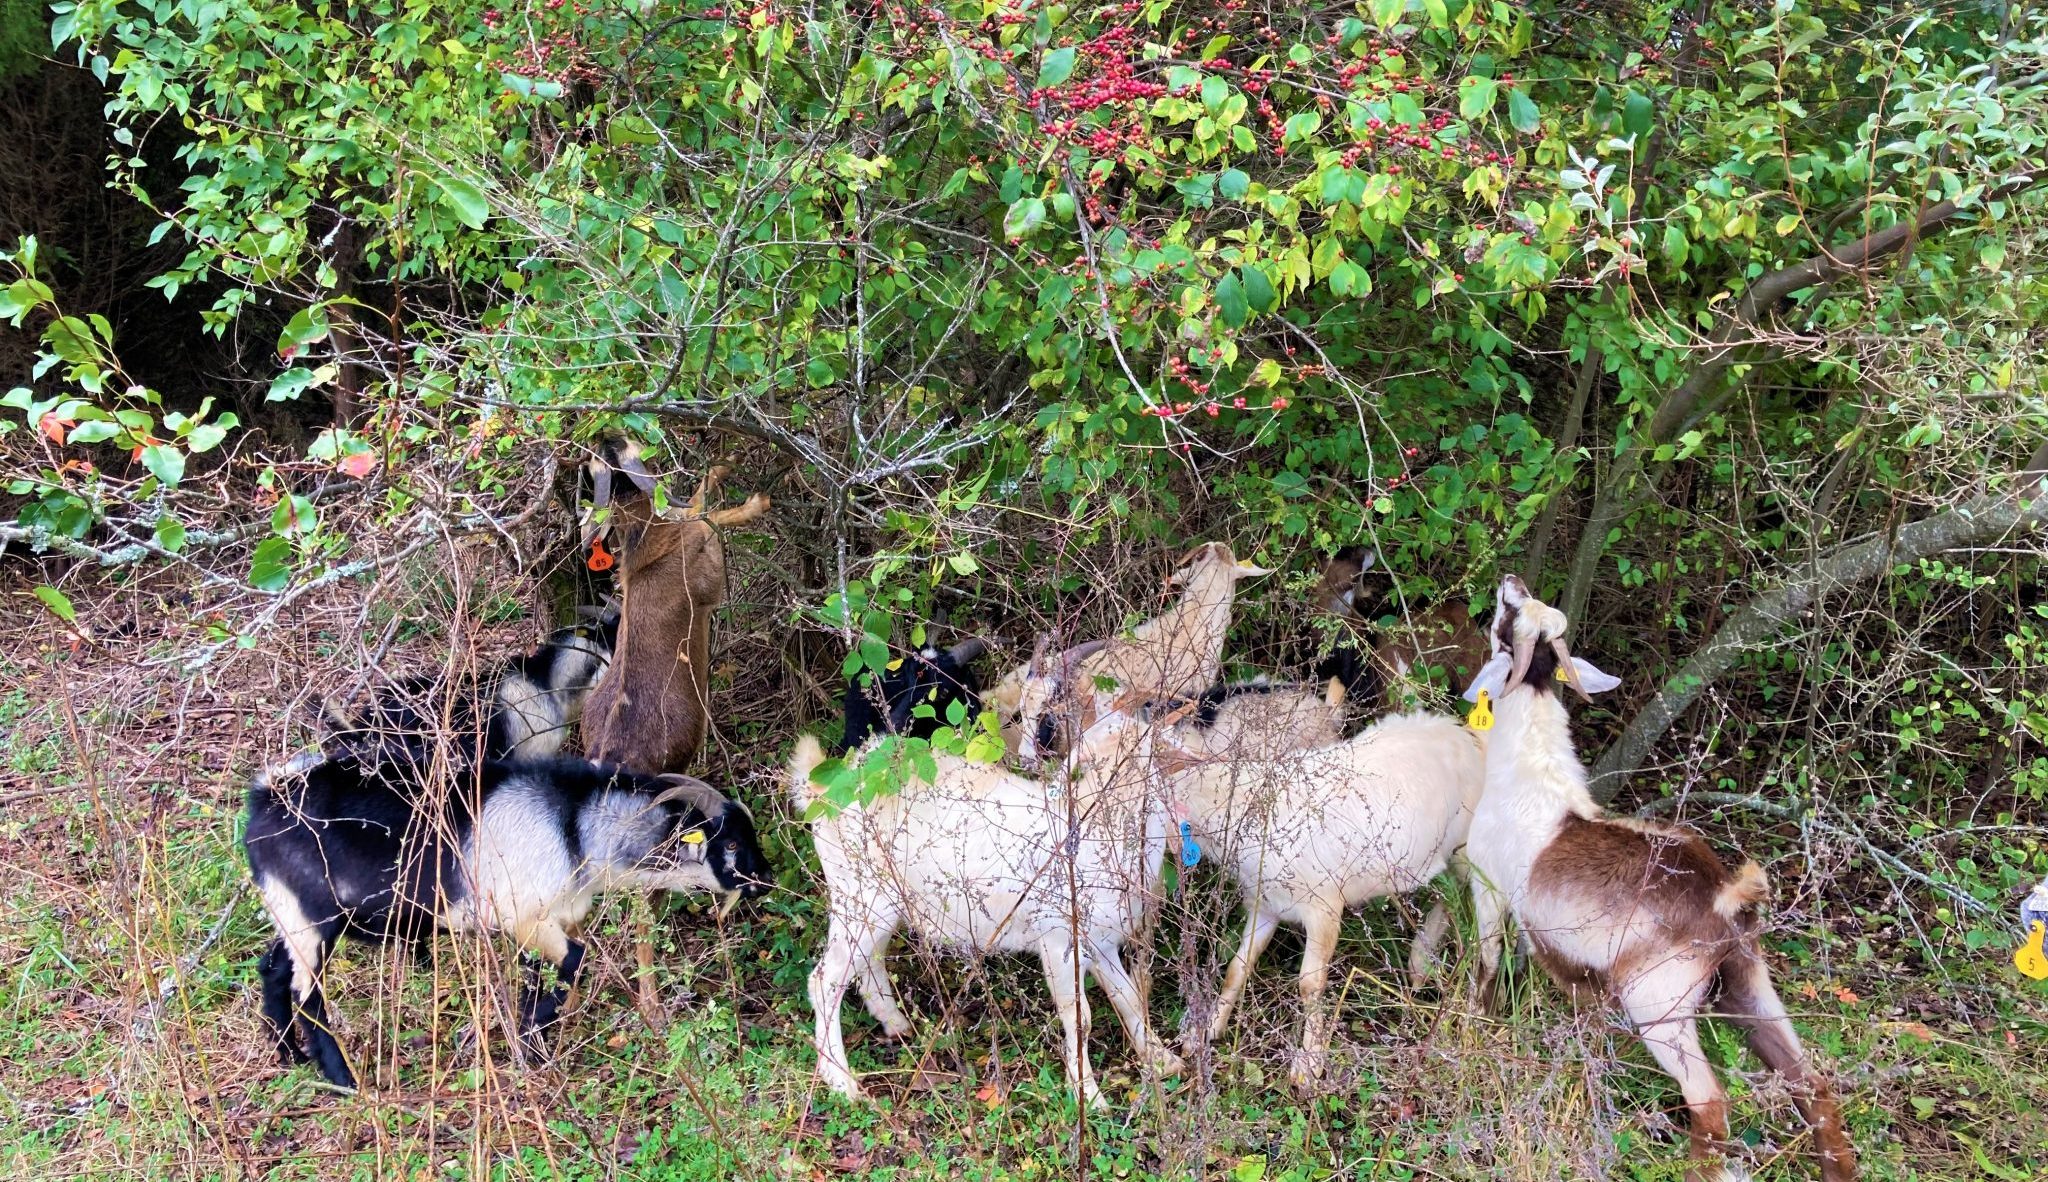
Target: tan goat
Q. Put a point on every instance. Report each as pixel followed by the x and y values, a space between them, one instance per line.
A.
pixel 1176 654
pixel 651 710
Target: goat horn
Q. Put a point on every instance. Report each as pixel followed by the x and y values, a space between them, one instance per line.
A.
pixel 1525 651
pixel 1570 671
pixel 967 650
pixel 635 471
pixel 1191 555
pixel 693 792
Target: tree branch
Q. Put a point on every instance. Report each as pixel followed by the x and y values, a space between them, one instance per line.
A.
pixel 1991 517
pixel 1731 343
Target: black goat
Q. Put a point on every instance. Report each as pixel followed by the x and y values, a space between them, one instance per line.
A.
pixel 526 709
pixel 361 846
pixel 928 677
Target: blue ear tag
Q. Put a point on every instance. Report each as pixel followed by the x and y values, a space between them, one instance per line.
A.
pixel 1190 853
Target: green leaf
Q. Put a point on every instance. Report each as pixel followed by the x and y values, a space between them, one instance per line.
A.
pixel 58 603
pixel 962 563
pixel 1522 112
pixel 1300 126
pixel 631 129
pixel 164 462
pixel 269 568
pixel 818 372
pixel 1233 184
pixel 1404 110
pixel 1258 289
pixel 1024 216
pixel 170 533
pixel 98 432
pixel 1476 96
pixel 1230 300
pixel 1386 12
pixel 1636 113
pixel 1057 67
pixel 465 201
pixel 293 515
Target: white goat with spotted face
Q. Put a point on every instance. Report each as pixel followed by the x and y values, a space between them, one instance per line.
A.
pixel 1644 915
pixel 982 860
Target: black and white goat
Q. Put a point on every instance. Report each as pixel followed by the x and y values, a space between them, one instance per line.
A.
pixel 933 678
pixel 360 846
pixel 526 709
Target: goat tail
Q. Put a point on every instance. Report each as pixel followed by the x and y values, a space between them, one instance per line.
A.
pixel 1749 1000
pixel 1746 889
pixel 808 755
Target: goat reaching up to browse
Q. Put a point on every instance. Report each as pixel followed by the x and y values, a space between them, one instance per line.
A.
pixel 1643 914
pixel 1176 654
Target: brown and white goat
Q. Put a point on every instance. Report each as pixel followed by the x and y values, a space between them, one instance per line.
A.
pixel 1644 915
pixel 1443 635
pixel 1175 654
pixel 651 710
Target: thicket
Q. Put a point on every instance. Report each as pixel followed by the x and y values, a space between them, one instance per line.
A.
pixel 1720 321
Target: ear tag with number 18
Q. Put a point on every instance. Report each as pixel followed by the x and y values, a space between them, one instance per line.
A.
pixel 1481 718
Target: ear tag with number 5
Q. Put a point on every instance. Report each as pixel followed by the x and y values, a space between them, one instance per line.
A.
pixel 1481 718
pixel 2030 959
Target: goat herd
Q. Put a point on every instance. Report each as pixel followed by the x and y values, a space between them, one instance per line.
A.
pixel 1120 753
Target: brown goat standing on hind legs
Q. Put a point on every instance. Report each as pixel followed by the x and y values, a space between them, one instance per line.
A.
pixel 651 710
pixel 1642 914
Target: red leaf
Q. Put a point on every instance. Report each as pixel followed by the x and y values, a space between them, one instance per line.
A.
pixel 358 464
pixel 54 427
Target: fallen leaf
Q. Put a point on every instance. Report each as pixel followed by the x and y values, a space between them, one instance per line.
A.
pixel 358 464
pixel 1807 991
pixel 1846 995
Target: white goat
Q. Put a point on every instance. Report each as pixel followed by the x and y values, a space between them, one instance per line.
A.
pixel 1309 833
pixel 983 860
pixel 1643 914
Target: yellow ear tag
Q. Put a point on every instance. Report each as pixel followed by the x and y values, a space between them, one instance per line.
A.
pixel 1560 674
pixel 1481 718
pixel 694 837
pixel 2030 959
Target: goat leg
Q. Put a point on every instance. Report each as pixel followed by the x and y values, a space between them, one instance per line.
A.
pixel 539 1006
pixel 647 998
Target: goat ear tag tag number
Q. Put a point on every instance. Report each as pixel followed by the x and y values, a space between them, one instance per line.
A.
pixel 2030 959
pixel 1481 718
pixel 1190 853
pixel 600 559
pixel 694 837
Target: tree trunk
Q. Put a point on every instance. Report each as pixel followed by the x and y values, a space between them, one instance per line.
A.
pixel 1985 519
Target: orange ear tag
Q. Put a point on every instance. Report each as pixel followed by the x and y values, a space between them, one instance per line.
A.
pixel 599 558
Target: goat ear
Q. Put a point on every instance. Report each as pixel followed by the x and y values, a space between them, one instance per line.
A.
pixel 1369 560
pixel 1492 677
pixel 1591 679
pixel 1245 570
pixel 635 471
